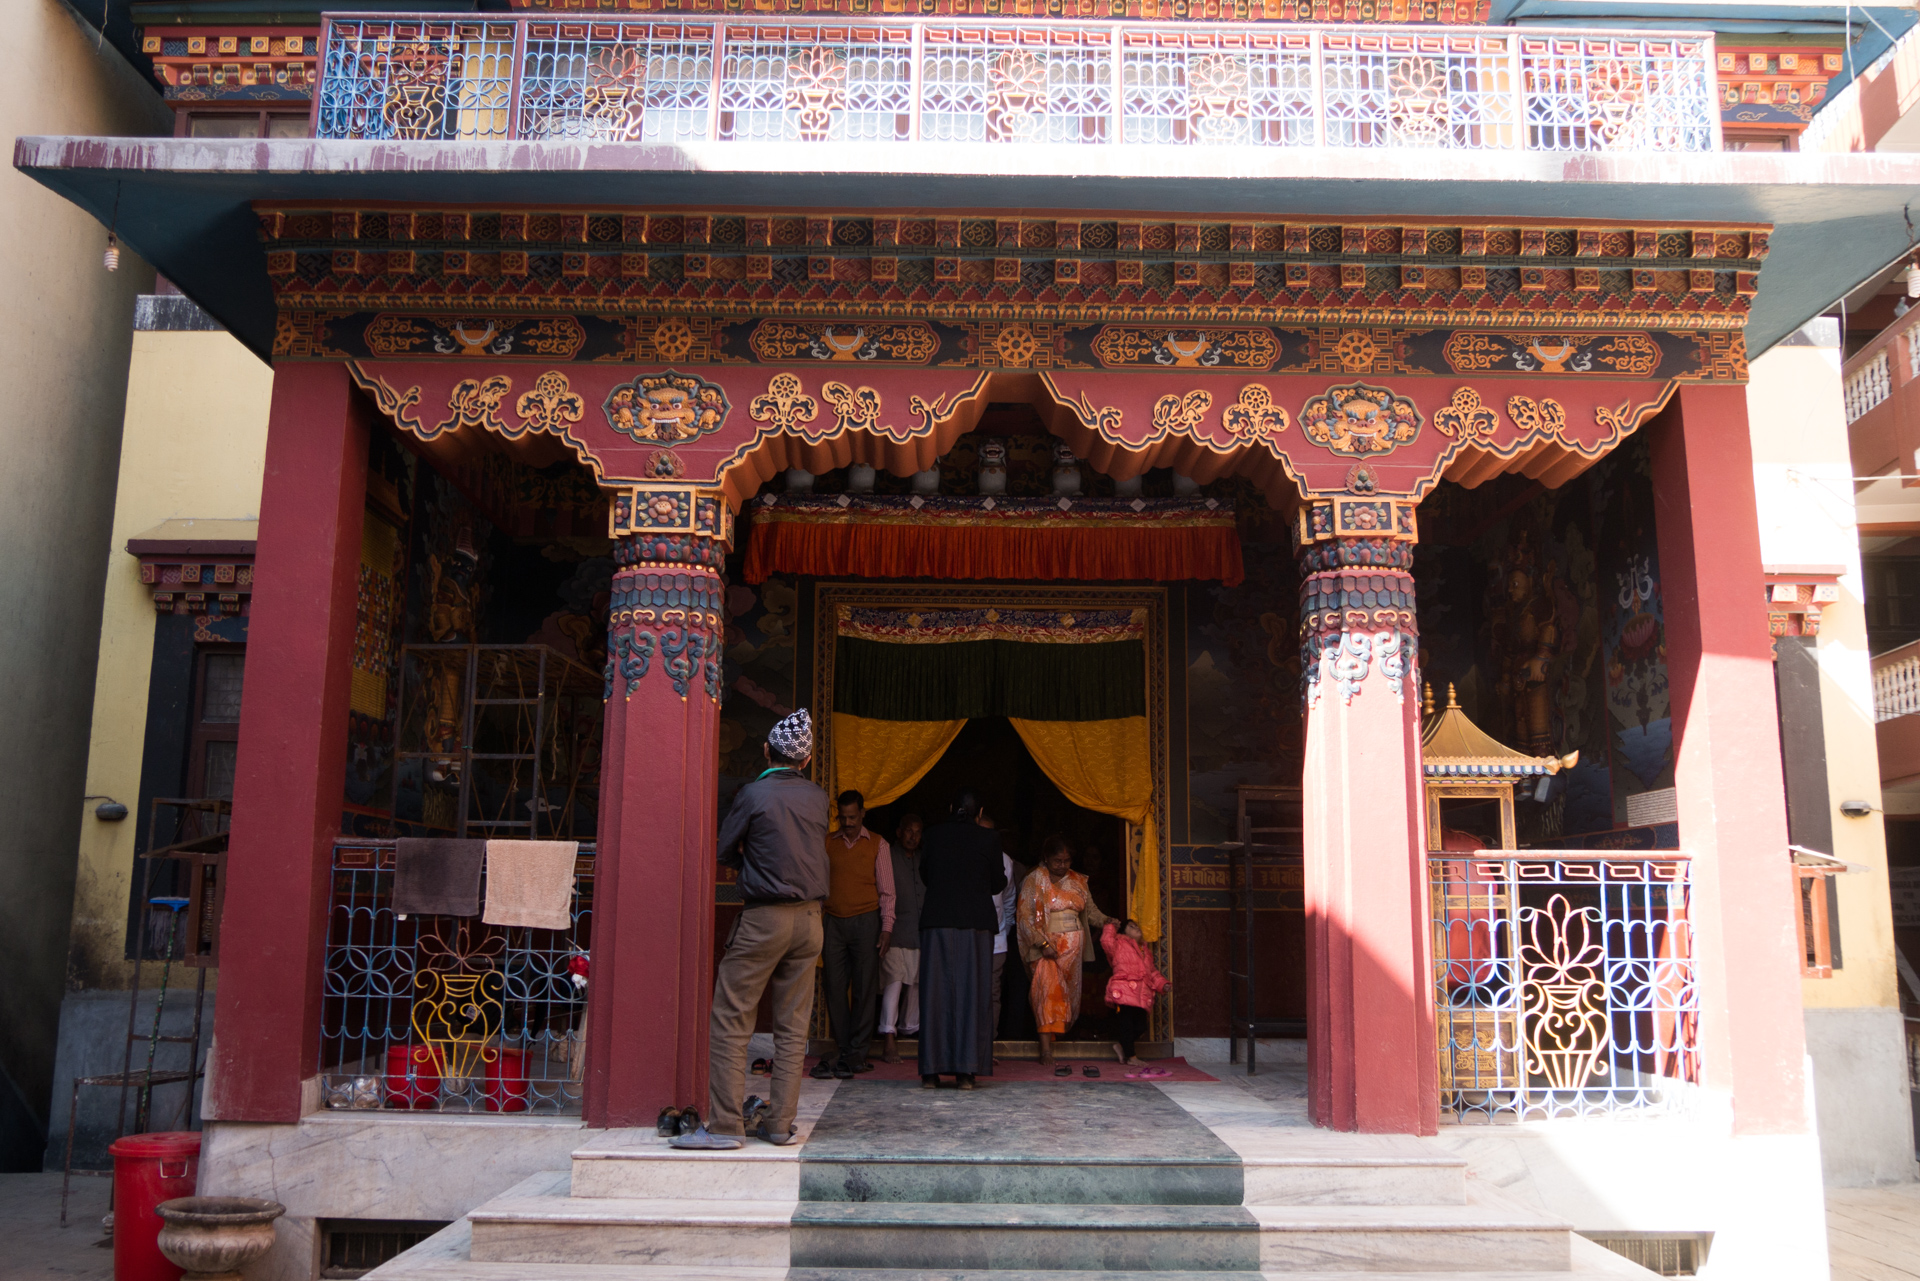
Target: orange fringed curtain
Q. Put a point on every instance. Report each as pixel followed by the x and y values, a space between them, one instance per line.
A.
pixel 1063 546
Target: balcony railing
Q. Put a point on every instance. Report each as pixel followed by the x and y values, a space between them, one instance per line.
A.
pixel 1896 682
pixel 422 78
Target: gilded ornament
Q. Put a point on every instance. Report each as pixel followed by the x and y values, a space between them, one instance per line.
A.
pixel 1543 417
pixel 853 409
pixel 551 405
pixel 1464 417
pixel 670 408
pixel 475 402
pixel 1254 418
pixel 1180 415
pixel 1015 346
pixel 783 404
pixel 672 339
pixel 1356 351
pixel 1360 420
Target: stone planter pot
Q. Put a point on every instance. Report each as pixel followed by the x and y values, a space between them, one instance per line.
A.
pixel 213 1237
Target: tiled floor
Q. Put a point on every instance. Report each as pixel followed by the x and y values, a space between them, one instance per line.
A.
pixel 1873 1234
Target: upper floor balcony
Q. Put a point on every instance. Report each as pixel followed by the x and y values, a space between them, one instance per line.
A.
pixel 947 81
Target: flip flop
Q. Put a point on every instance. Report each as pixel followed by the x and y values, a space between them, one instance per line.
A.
pixel 702 1141
pixel 1156 1072
pixel 1135 1076
pixel 823 1070
pixel 1063 1070
pixel 762 1067
pixel 1090 1071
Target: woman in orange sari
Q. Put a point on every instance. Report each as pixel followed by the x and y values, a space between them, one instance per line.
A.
pixel 1056 914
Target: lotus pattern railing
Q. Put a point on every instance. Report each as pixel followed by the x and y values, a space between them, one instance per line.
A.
pixel 1563 983
pixel 1004 81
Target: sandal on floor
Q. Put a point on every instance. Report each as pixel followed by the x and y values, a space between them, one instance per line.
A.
pixel 1154 1073
pixel 701 1141
pixel 1089 1071
pixel 1063 1070
pixel 822 1071
pixel 841 1072
pixel 762 1067
pixel 864 1065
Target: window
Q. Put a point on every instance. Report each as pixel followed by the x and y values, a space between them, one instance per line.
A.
pixel 243 124
pixel 216 723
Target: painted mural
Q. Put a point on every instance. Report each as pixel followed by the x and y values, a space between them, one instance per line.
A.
pixel 1542 609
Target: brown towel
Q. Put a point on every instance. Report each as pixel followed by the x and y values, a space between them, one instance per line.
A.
pixel 530 883
pixel 436 877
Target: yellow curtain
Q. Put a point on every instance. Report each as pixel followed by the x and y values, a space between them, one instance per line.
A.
pixel 1107 767
pixel 882 760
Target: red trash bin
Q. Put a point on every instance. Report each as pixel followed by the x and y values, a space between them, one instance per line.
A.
pixel 507 1082
pixel 413 1076
pixel 148 1169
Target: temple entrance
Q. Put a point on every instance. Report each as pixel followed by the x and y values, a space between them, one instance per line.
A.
pixel 989 757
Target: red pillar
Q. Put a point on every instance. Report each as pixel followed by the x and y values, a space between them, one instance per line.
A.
pixel 652 984
pixel 291 775
pixel 1371 1059
pixel 1727 759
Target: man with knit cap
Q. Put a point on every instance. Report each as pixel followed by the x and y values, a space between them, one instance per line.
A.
pixel 775 834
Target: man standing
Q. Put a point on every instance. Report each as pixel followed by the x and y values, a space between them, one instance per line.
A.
pixel 859 927
pixel 773 834
pixel 900 968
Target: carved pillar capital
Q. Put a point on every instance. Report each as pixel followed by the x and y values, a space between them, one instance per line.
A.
pixel 1357 603
pixel 667 611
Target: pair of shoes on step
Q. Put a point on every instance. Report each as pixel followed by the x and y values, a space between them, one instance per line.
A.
pixel 675 1121
pixel 838 1069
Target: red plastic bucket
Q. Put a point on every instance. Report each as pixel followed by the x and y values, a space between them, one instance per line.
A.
pixel 413 1077
pixel 507 1082
pixel 148 1169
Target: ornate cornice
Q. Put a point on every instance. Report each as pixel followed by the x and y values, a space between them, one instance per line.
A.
pixel 970 267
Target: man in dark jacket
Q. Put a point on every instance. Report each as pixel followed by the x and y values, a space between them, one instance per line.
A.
pixel 775 834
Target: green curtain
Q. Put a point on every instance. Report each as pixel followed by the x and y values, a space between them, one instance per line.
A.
pixel 1024 680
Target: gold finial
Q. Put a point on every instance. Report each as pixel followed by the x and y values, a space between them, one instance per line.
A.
pixel 1453 702
pixel 1429 706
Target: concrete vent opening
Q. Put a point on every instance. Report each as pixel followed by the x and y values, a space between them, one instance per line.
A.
pixel 1666 1254
pixel 351 1248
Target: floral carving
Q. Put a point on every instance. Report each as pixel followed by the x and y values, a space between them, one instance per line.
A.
pixel 1180 414
pixel 853 409
pixel 1543 417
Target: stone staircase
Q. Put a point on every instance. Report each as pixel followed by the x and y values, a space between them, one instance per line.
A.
pixel 1229 1199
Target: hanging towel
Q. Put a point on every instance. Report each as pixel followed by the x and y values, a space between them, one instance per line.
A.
pixel 530 883
pixel 436 877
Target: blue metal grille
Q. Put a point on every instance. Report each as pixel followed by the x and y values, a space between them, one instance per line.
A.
pixel 448 1014
pixel 416 80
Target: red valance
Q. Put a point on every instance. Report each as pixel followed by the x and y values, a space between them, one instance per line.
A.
pixel 1091 540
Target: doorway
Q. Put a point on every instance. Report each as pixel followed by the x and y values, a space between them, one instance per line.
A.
pixel 989 758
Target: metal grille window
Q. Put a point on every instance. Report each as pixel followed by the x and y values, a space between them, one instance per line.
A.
pixel 1617 95
pixel 1564 983
pixel 817 84
pixel 416 81
pixel 1196 87
pixel 448 1014
pixel 994 84
pixel 351 1248
pixel 1399 90
pixel 620 82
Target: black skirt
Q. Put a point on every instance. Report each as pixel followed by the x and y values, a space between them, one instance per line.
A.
pixel 956 1002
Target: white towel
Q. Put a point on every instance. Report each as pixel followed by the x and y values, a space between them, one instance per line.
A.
pixel 530 883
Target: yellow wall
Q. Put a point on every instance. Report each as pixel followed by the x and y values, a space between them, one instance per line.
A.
pixel 1803 479
pixel 194 447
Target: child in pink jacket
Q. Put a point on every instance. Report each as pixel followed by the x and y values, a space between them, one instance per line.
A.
pixel 1131 989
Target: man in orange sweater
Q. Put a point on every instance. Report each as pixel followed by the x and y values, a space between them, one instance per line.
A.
pixel 858 926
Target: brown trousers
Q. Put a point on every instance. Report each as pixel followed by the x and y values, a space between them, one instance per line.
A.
pixel 776 944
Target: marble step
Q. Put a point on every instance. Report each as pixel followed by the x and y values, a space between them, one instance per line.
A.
pixel 1022 1180
pixel 1487 1234
pixel 1316 1167
pixel 641 1166
pixel 536 1222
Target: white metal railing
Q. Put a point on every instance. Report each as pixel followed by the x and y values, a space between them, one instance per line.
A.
pixel 1867 386
pixel 1896 683
pixel 812 79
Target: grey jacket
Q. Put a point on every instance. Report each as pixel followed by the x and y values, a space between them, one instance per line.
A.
pixel 909 893
pixel 776 834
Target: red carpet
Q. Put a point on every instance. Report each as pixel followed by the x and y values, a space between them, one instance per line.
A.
pixel 1027 1070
